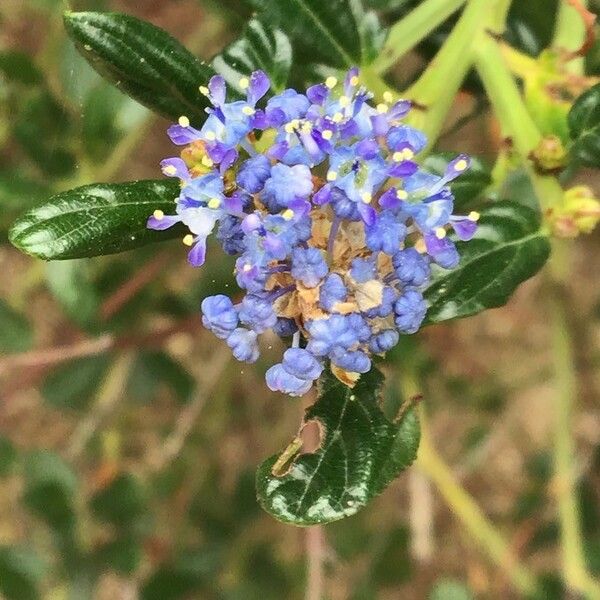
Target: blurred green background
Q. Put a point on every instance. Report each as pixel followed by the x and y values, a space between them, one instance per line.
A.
pixel 129 439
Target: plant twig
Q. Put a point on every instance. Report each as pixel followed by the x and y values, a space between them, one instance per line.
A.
pixel 207 380
pixel 109 395
pixel 565 470
pixel 314 538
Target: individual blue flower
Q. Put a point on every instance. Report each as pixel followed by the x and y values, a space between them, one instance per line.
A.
pixel 285 107
pixel 279 380
pixel 388 298
pixel 410 311
pixel 403 136
pixel 285 327
pixel 411 267
pixel 257 313
pixel 326 334
pixel 383 341
pixel 386 234
pixel 441 249
pixel 301 364
pixel 356 361
pixel 243 344
pixel 287 184
pixel 253 173
pixel 308 266
pixel 219 315
pixel 231 236
pixel 363 269
pixel 332 291
pixel 360 326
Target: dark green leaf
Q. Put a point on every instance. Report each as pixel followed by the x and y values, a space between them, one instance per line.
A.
pixel 72 386
pixel 95 219
pixel 584 127
pixel 42 128
pixel 50 487
pixel 260 47
pixel 19 67
pixel 18 194
pixel 142 60
pixel 122 555
pixel 530 25
pixel 8 456
pixel 16 334
pixel 123 502
pixel 20 573
pixel 71 285
pixel 336 33
pixel 469 187
pixel 507 249
pixel 360 454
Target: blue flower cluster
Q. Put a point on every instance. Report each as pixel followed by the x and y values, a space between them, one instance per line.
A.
pixel 334 224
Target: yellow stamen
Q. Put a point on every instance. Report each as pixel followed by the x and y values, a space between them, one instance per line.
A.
pixel 289 128
pixel 354 80
pixel 382 108
pixel 204 90
pixel 288 214
pixel 366 197
pixel 158 214
pixel 401 194
pixel 169 170
pixel 387 96
pixel 440 233
pixel 408 153
pixel 188 240
pixel 246 267
pixel 244 83
pixel 327 134
pixel 331 82
pixel 331 176
pixel 337 117
pixel 398 156
pixel 248 110
pixel 461 165
pixel 213 203
pixel 184 121
pixel 306 127
pixel 210 136
pixel 344 101
pixel 207 161
pixel 473 216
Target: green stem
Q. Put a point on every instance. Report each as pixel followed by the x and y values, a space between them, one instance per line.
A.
pixel 438 85
pixel 570 33
pixel 462 505
pixel 565 481
pixel 515 120
pixel 413 28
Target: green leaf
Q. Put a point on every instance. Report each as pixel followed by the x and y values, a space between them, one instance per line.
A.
pixel 8 456
pixel 143 61
pixel 584 127
pixel 21 571
pixel 18 67
pixel 17 194
pixel 16 334
pixel 123 502
pixel 360 454
pixel 43 128
pixel 507 249
pixel 530 25
pixel 71 285
pixel 337 33
pixel 50 488
pixel 470 186
pixel 122 555
pixel 72 386
pixel 260 47
pixel 95 219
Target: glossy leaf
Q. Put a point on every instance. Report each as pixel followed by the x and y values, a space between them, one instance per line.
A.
pixel 143 61
pixel 260 47
pixel 338 33
pixel 16 334
pixel 584 127
pixel 95 219
pixel 360 454
pixel 507 249
pixel 470 186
